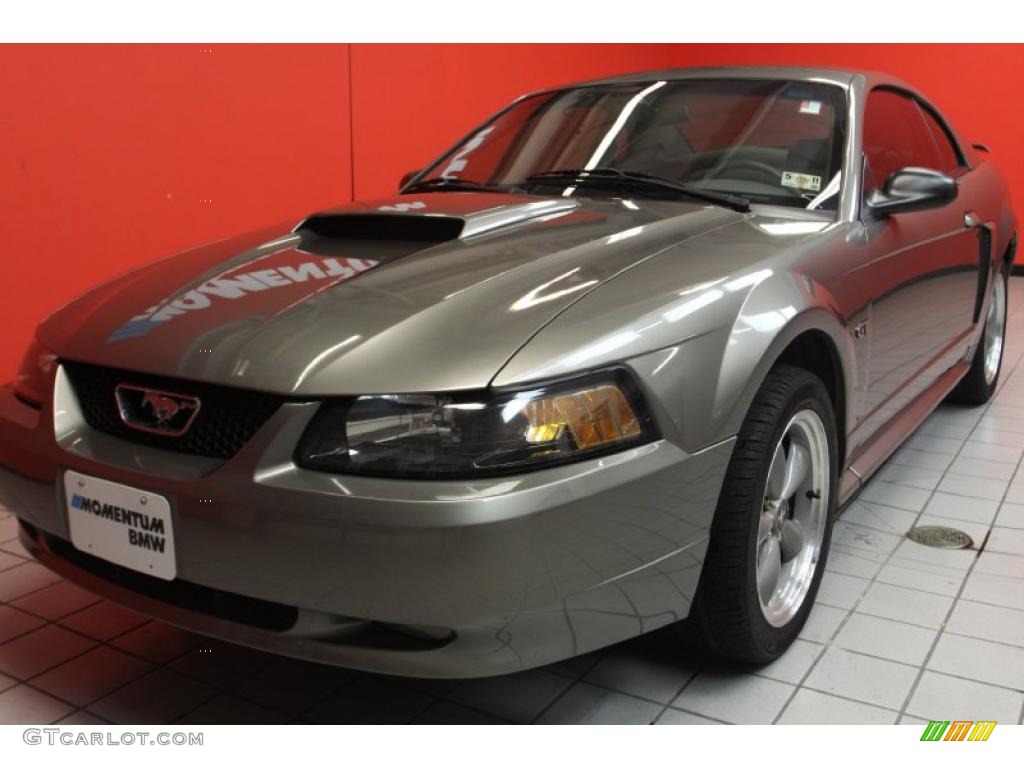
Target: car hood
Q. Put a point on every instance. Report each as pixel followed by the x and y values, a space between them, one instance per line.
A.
pixel 415 293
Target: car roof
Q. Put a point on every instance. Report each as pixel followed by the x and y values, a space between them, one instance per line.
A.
pixel 841 77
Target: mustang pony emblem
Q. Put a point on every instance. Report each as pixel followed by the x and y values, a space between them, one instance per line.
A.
pixel 152 410
pixel 164 408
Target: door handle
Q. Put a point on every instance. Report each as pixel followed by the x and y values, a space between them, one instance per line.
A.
pixel 972 220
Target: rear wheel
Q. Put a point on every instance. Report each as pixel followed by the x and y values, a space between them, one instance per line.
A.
pixel 979 384
pixel 770 535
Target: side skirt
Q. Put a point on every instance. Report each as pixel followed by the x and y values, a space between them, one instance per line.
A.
pixel 893 434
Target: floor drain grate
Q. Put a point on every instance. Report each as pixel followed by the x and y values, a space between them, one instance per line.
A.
pixel 940 536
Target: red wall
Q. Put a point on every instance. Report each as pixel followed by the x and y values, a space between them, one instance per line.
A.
pixel 113 155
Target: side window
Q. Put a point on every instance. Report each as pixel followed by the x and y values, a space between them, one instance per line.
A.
pixel 948 158
pixel 895 136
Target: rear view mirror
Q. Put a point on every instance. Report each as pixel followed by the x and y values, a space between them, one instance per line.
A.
pixel 407 178
pixel 913 189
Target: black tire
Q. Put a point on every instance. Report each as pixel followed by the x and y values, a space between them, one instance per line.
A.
pixel 973 389
pixel 727 618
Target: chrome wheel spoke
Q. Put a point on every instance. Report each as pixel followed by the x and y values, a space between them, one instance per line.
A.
pixel 797 464
pixel 769 568
pixel 765 527
pixel 995 328
pixel 792 539
pixel 776 475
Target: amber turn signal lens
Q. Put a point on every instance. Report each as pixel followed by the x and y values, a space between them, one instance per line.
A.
pixel 594 417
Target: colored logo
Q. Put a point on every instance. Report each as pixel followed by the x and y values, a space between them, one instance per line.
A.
pixel 150 410
pixel 958 730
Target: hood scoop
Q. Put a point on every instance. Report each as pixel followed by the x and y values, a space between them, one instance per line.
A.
pixel 382 226
pixel 416 224
pixel 396 234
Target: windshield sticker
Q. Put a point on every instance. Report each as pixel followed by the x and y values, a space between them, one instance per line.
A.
pixel 801 181
pixel 810 107
pixel 458 163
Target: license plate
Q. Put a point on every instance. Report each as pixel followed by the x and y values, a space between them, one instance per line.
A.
pixel 124 525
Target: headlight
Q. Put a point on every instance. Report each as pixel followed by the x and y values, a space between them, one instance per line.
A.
pixel 33 378
pixel 476 434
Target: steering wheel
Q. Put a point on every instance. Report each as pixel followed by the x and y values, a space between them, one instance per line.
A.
pixel 761 169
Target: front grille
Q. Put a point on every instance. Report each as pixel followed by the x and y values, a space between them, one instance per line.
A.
pixel 262 614
pixel 226 420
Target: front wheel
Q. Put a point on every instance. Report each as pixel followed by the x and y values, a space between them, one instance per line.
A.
pixel 770 535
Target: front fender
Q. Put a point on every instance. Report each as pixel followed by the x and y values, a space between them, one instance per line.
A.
pixel 705 385
pixel 741 379
pixel 701 326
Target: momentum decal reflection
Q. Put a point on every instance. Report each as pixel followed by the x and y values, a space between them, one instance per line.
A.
pixel 238 284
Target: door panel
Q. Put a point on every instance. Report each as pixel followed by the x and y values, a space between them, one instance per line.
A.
pixel 923 268
pixel 926 283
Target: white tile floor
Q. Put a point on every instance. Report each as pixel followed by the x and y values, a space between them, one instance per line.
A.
pixel 900 633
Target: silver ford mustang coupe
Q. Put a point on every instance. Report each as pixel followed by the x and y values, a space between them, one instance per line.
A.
pixel 612 362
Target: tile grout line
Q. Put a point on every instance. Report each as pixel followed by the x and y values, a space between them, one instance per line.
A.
pixel 679 692
pixel 956 598
pixel 154 664
pixel 801 682
pixel 561 695
pixel 829 642
pixel 952 607
pixel 871 582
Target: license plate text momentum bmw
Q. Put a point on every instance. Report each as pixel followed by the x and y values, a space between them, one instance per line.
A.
pixel 124 525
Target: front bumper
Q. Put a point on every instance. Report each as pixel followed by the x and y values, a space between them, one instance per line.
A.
pixel 423 578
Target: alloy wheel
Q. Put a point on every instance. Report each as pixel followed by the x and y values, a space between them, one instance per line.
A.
pixel 793 518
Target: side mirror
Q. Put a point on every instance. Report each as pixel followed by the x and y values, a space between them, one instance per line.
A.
pixel 913 189
pixel 407 178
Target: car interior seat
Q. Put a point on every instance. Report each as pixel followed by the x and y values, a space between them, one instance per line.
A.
pixel 662 148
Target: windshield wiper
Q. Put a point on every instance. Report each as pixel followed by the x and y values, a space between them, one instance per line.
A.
pixel 441 183
pixel 603 174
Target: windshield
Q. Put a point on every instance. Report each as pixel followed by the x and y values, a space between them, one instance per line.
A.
pixel 769 141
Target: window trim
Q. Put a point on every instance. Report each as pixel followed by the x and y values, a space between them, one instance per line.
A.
pixel 961 159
